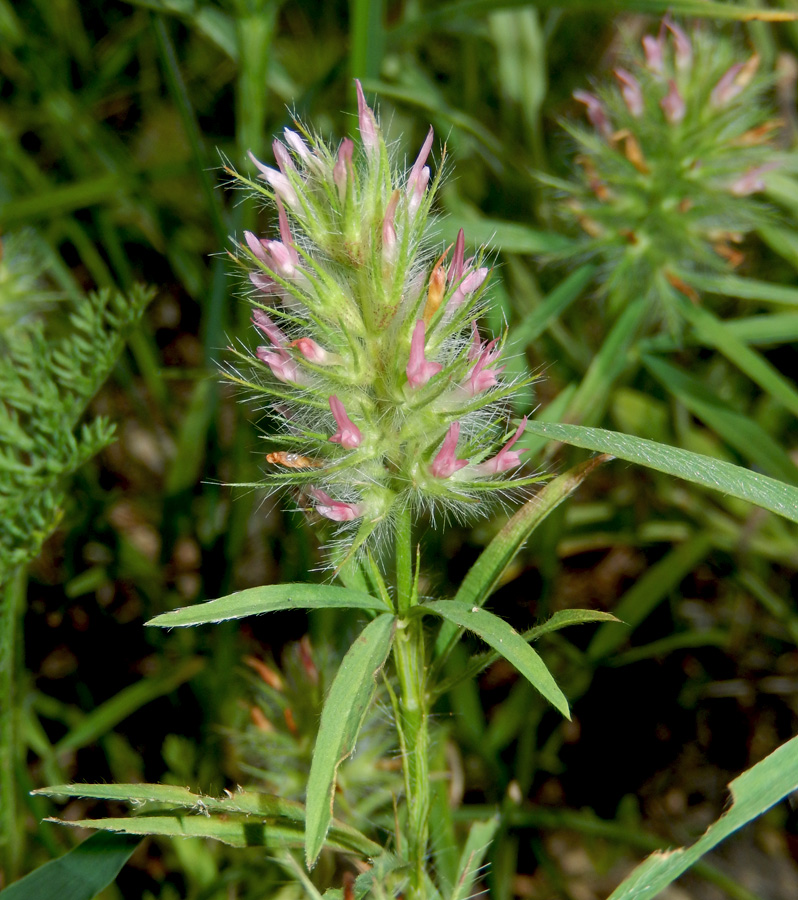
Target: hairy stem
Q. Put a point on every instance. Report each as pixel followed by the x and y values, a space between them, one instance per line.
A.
pixel 410 657
pixel 12 598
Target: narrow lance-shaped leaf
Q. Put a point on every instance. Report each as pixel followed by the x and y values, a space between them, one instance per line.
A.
pixel 505 640
pixel 241 807
pixel 717 474
pixel 341 719
pixel 485 574
pixel 561 619
pixel 754 792
pixel 269 598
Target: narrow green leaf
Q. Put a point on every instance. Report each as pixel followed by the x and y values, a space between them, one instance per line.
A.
pixel 561 619
pixel 745 288
pixel 738 430
pixel 253 804
pixel 268 598
pixel 476 846
pixel 341 720
pixel 506 641
pixel 716 474
pixel 554 304
pixel 710 331
pixel 79 874
pixel 753 792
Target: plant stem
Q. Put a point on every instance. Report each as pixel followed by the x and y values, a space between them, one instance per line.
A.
pixel 409 652
pixel 12 599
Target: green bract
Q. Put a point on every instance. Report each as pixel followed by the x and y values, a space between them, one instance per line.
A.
pixel 666 177
pixel 383 394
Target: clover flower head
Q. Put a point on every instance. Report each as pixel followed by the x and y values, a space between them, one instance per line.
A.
pixel 676 149
pixel 385 395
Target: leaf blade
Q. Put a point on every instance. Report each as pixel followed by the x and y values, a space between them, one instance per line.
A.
pixel 716 474
pixel 505 640
pixel 341 718
pixel 267 598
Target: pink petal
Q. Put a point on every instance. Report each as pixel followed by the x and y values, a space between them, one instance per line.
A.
pixel 456 267
pixel 343 168
pixel 285 232
pixel 419 370
pixel 296 143
pixel 283 367
pixel 683 47
pixel 348 434
pixel 631 92
pixel 446 462
pixel 266 325
pixel 310 350
pixel 673 105
pixel 506 458
pixel 727 87
pixel 367 124
pixel 335 509
pixel 389 246
pixel 472 282
pixel 655 55
pixel 595 112
pixel 283 158
pixel 418 178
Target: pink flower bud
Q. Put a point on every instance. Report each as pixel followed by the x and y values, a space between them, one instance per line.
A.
pixel 631 92
pixel 335 509
pixel 367 124
pixel 751 181
pixel 481 377
pixel 311 350
pixel 418 179
pixel 257 246
pixel 595 112
pixel 348 434
pixel 733 82
pixel 296 143
pixel 343 168
pixel 683 49
pixel 419 370
pixel 506 458
pixel 279 183
pixel 285 232
pixel 655 54
pixel 472 282
pixel 456 267
pixel 673 105
pixel 446 462
pixel 283 367
pixel 284 161
pixel 261 321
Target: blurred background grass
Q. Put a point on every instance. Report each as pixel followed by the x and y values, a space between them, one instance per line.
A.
pixel 114 123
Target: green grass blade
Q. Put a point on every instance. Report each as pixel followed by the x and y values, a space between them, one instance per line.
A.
pixel 716 474
pixel 554 305
pixel 341 720
pixel 738 430
pixel 711 332
pixel 753 792
pixel 79 874
pixel 268 598
pixel 745 288
pixel 505 640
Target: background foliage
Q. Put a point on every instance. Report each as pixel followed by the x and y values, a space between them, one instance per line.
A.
pixel 115 120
